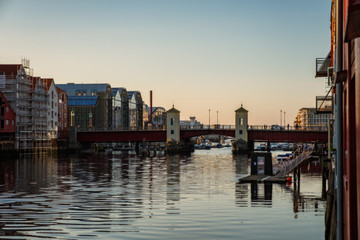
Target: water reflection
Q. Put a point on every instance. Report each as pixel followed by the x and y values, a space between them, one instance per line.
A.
pixel 121 197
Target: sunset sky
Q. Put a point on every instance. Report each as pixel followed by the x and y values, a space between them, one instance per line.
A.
pixel 195 54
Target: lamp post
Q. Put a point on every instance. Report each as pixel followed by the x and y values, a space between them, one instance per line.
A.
pixel 280 117
pixel 284 119
pixel 217 117
pixel 209 118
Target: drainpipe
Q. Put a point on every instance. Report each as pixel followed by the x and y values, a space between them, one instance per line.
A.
pixel 339 119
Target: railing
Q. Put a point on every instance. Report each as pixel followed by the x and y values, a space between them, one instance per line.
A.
pixel 206 127
pixel 215 127
pixel 322 65
pixel 287 128
pixel 285 167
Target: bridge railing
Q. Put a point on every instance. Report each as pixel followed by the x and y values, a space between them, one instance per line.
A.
pixel 206 127
pixel 286 128
pixel 212 127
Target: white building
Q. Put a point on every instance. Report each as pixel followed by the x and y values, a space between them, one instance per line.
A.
pixel 52 104
pixel 307 118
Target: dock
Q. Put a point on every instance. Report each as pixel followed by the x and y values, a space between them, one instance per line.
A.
pixel 262 178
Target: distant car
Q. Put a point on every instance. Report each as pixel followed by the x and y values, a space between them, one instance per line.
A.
pixel 276 127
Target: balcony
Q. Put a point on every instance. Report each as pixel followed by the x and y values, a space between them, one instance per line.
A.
pixel 322 65
pixel 323 104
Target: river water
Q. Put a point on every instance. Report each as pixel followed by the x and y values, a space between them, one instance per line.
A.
pixel 109 196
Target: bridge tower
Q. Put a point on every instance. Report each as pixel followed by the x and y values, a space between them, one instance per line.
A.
pixel 241 124
pixel 173 124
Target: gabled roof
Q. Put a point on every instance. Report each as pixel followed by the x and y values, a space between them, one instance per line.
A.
pixel 173 110
pixel 82 100
pixel 71 88
pixel 241 109
pixel 137 95
pixel 33 81
pixel 47 83
pixel 59 90
pixel 10 69
pixel 115 90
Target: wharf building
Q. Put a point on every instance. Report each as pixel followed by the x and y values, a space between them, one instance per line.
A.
pixel 342 70
pixel 158 116
pixel 120 109
pixel 7 124
pixel 16 88
pixel 135 110
pixel 62 116
pixel 39 104
pixel 35 104
pixel 52 113
pixel 89 106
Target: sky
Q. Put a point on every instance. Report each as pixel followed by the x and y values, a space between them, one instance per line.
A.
pixel 194 54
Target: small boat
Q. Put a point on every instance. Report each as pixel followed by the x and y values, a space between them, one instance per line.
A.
pixel 284 157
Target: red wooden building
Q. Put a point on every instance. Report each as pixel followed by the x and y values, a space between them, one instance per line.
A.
pixel 345 52
pixel 7 124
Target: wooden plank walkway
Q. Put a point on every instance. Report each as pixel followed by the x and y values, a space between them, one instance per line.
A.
pixel 262 178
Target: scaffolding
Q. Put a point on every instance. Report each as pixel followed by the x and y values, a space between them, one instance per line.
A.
pixel 28 98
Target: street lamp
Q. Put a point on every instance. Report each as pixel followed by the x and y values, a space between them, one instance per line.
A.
pixel 217 117
pixel 284 119
pixel 209 118
pixel 280 117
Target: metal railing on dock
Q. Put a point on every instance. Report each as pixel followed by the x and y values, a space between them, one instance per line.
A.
pixel 285 167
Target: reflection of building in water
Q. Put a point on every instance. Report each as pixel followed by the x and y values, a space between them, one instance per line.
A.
pixel 261 194
pixel 7 174
pixel 173 184
pixel 241 164
pixel 34 172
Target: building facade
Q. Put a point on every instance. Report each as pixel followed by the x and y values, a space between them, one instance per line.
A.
pixel 82 112
pixel 135 110
pixel 103 111
pixel 120 109
pixel 308 118
pixel 39 104
pixel 62 114
pixel 16 88
pixel 53 109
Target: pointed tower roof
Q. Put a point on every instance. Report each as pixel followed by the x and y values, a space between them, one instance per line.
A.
pixel 241 109
pixel 174 110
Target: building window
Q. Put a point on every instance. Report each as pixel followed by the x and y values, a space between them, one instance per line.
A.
pixel 241 121
pixel 172 132
pixel 240 132
pixel 7 122
pixel 12 122
pixel 7 109
pixel 172 121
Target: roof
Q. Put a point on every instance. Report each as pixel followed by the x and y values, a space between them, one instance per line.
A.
pixel 115 90
pixel 71 88
pixel 34 81
pixel 59 90
pixel 174 110
pixel 10 69
pixel 47 83
pixel 241 109
pixel 82 100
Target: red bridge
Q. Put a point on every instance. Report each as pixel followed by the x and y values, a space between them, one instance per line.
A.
pixel 254 134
